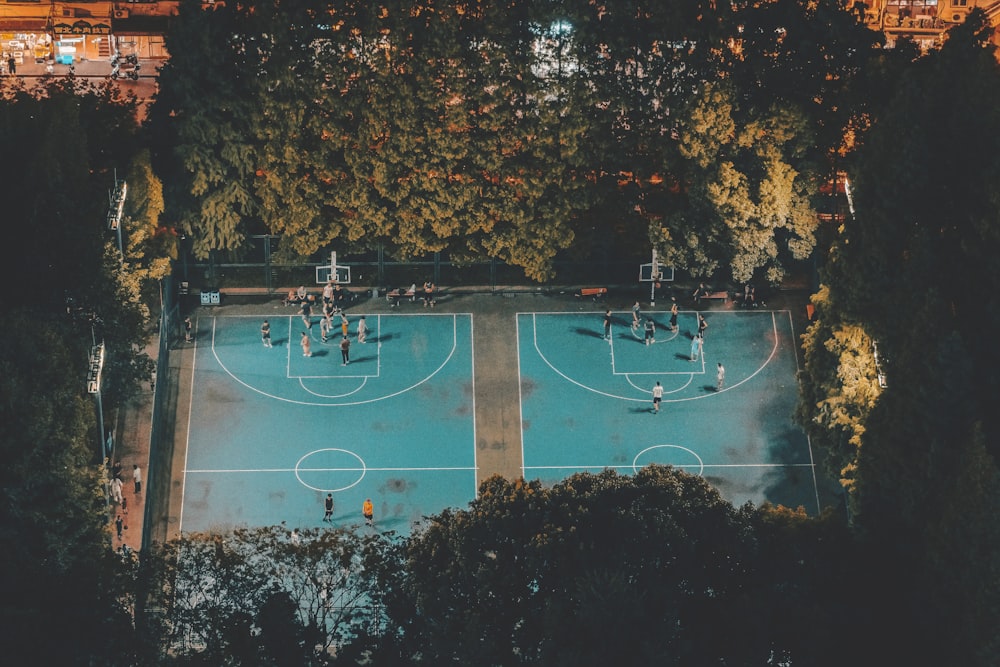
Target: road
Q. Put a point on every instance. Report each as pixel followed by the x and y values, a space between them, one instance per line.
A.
pixel 97 71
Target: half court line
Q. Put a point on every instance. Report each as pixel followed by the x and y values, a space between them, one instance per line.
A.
pixel 200 471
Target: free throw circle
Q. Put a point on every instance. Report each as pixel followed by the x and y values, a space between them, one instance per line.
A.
pixel 327 470
pixel 671 452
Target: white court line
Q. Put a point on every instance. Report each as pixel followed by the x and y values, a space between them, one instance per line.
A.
pixel 472 358
pixel 187 443
pixel 774 351
pixel 213 471
pixel 364 382
pixel 451 353
pixel 628 376
pixel 798 373
pixel 520 396
pixel 677 465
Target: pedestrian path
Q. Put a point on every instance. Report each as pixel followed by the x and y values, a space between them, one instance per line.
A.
pixel 131 448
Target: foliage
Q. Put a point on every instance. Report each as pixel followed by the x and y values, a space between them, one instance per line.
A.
pixel 839 387
pixel 530 574
pixel 914 271
pixel 266 596
pixel 67 288
pixel 70 138
pixel 58 570
pixel 509 131
pixel 741 192
pixel 208 88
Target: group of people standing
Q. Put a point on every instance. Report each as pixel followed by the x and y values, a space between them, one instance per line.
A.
pixel 117 496
pixel 367 510
pixel 333 300
pixel 648 325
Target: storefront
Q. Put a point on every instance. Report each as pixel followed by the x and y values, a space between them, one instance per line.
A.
pixel 82 39
pixel 71 32
pixel 24 33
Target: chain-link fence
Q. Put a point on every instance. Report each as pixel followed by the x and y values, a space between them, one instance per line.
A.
pixel 257 266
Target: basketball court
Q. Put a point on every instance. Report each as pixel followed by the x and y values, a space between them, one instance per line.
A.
pixel 271 431
pixel 587 402
pixel 268 432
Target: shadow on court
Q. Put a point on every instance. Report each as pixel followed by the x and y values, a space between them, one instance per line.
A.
pixel 588 332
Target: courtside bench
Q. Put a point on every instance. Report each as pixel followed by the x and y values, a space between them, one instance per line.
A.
pixel 595 293
pixel 719 296
pixel 315 297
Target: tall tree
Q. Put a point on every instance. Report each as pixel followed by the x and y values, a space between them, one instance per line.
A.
pixel 536 575
pixel 265 596
pixel 917 259
pixel 208 101
pixel 59 574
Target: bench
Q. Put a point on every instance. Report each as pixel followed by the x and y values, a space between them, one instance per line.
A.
pixel 594 293
pixel 722 296
pixel 393 296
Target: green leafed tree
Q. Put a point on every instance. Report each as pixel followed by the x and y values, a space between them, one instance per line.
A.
pixel 611 569
pixel 741 204
pixel 59 572
pixel 203 121
pixel 840 387
pixel 264 596
pixel 913 271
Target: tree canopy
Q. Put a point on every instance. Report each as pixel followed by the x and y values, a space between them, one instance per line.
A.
pixel 67 595
pixel 504 130
pixel 912 272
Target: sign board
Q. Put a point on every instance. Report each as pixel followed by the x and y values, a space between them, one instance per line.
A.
pixel 95 368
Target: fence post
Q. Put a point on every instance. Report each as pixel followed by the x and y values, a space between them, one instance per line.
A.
pixel 381 265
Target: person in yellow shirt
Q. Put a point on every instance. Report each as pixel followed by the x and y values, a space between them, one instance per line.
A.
pixel 369 511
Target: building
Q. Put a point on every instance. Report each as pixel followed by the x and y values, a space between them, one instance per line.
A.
pixel 82 30
pixel 923 21
pixel 72 31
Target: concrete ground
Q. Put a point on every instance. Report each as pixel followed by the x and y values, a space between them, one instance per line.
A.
pixel 96 71
pixel 497 415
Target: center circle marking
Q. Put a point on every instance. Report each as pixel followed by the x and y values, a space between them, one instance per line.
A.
pixel 701 464
pixel 363 469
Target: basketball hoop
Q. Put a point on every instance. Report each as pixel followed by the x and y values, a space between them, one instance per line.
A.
pixel 653 273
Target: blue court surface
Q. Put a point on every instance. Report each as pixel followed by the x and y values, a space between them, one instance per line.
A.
pixel 272 432
pixel 586 403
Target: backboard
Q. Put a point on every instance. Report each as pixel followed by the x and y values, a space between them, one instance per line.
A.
pixel 663 274
pixel 333 271
pixel 325 275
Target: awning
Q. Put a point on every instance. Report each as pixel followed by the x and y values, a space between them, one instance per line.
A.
pixel 142 25
pixel 81 27
pixel 24 24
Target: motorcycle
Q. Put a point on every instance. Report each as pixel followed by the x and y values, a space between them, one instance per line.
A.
pixel 125 67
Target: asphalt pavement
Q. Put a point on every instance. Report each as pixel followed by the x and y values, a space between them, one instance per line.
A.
pixel 96 71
